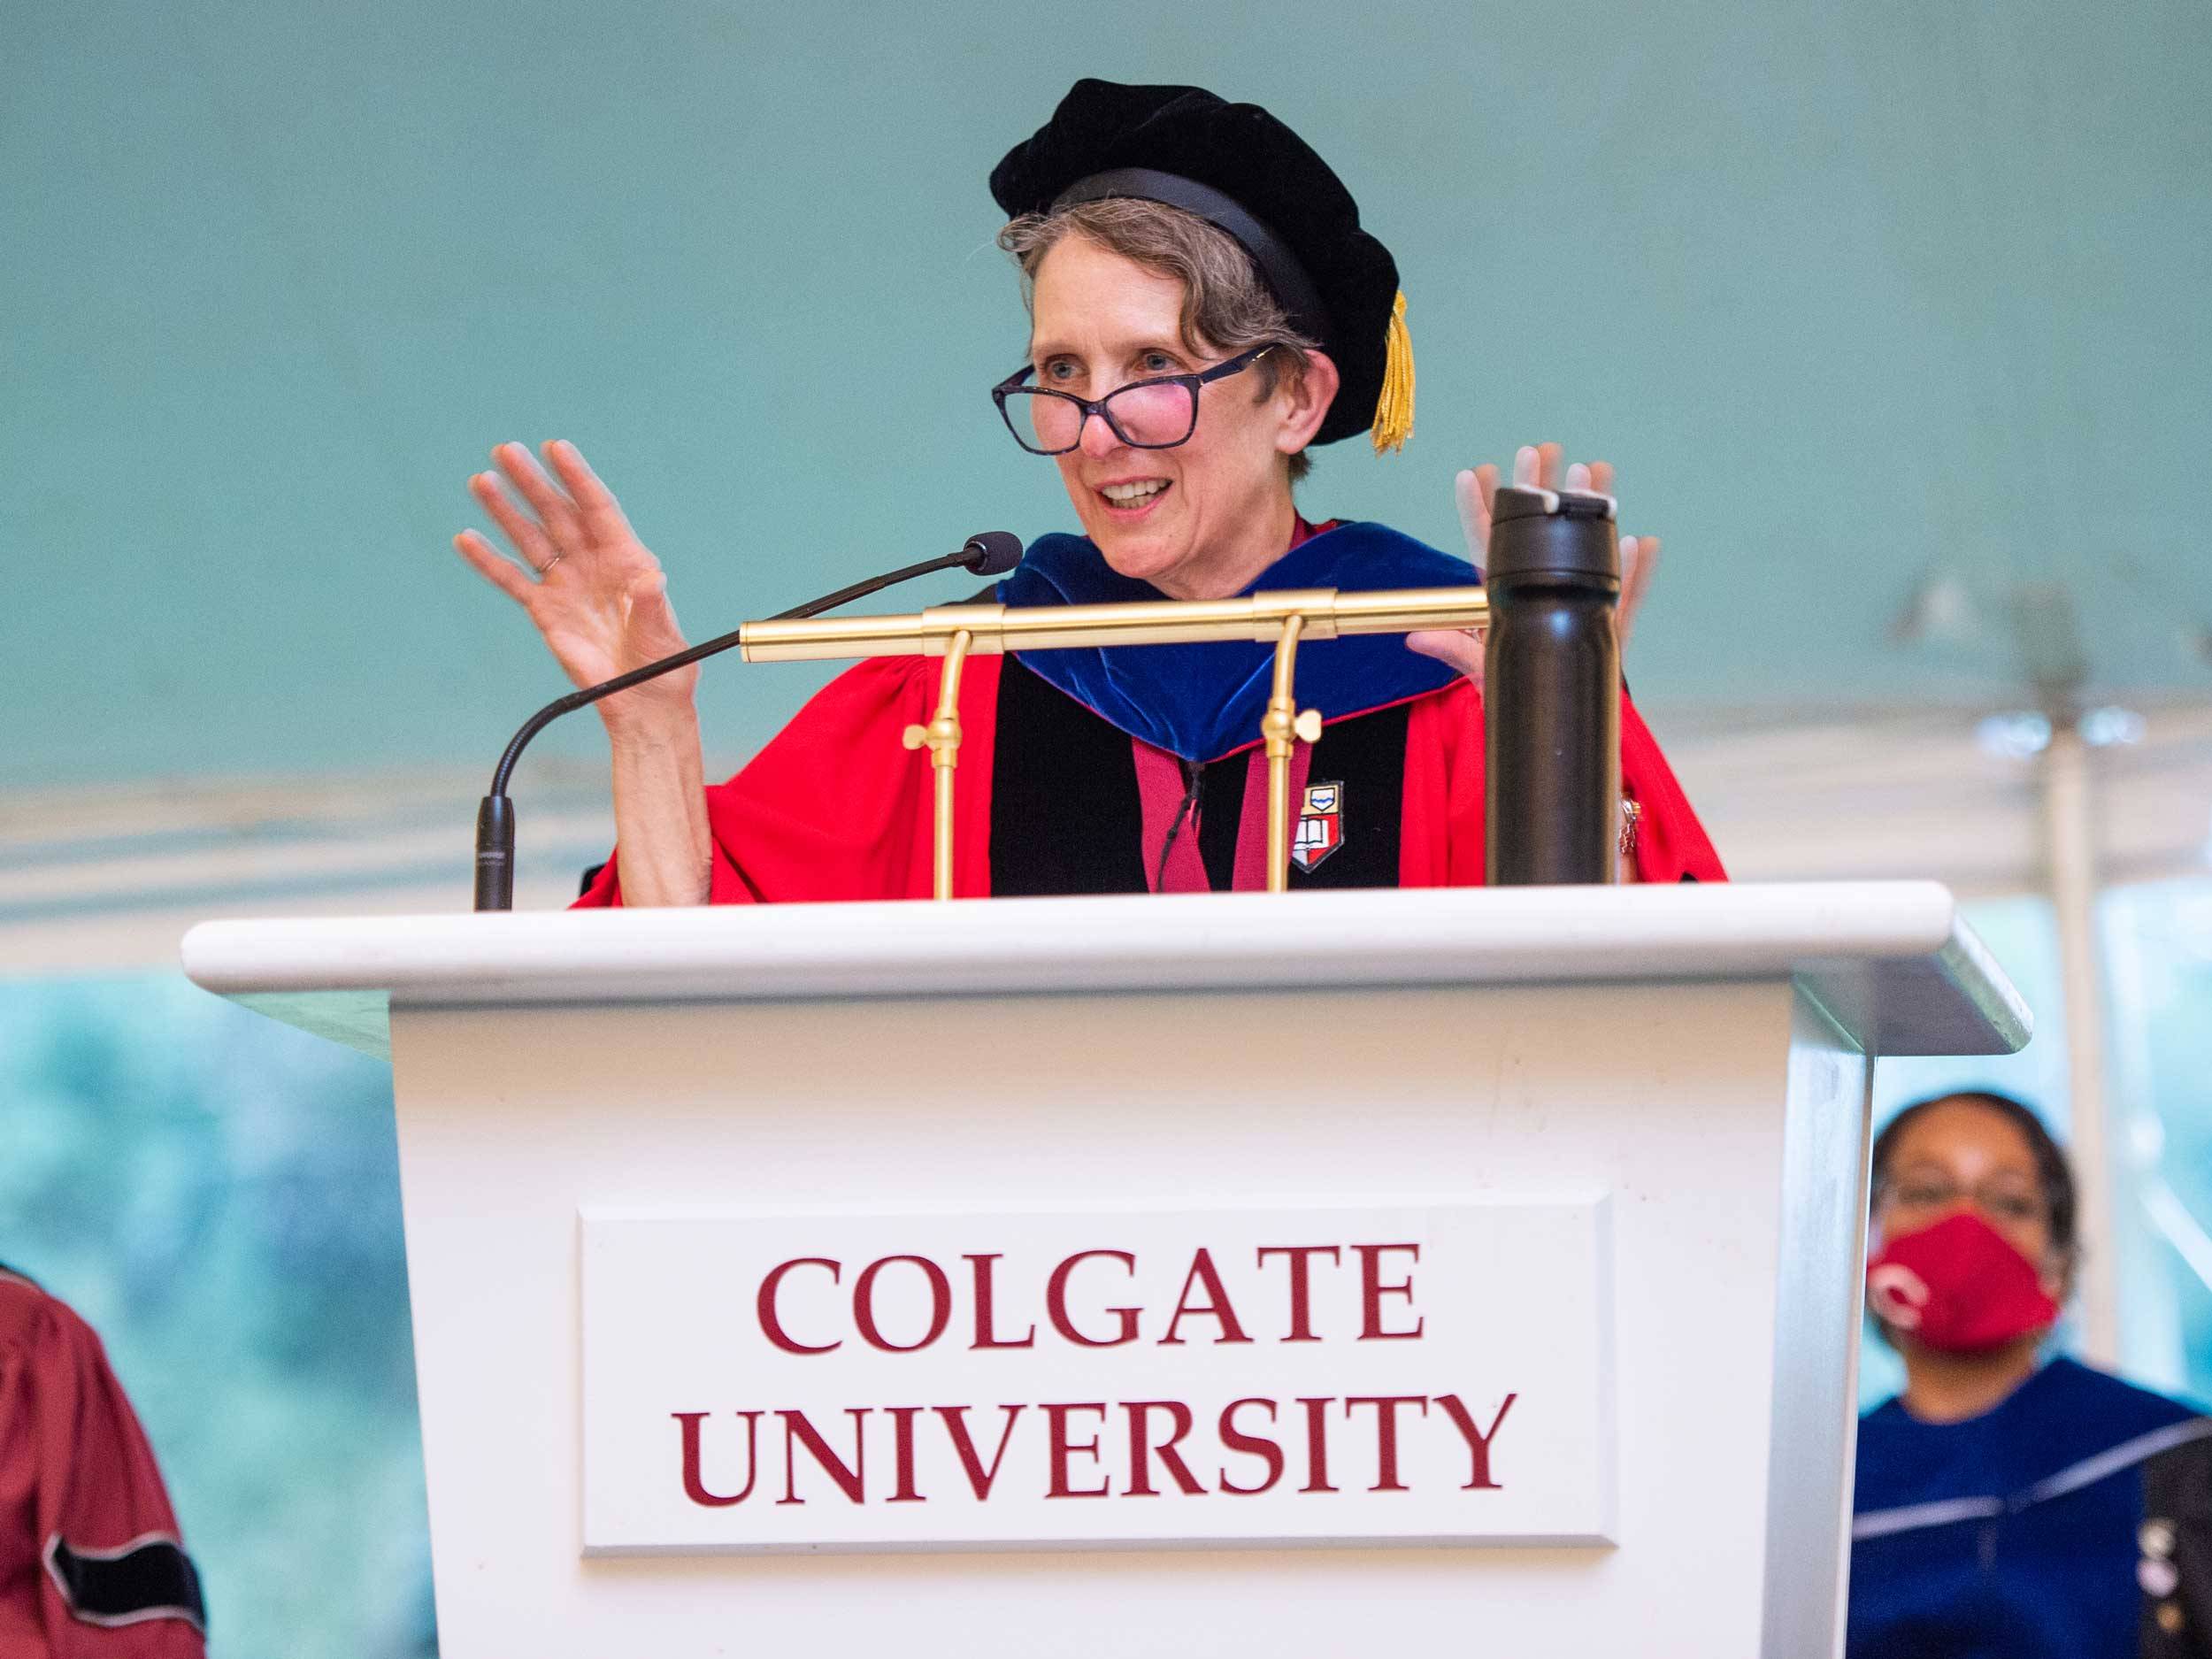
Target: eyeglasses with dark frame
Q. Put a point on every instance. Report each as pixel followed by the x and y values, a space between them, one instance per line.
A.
pixel 2014 1200
pixel 1155 414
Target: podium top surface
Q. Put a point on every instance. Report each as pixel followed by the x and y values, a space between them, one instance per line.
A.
pixel 1890 961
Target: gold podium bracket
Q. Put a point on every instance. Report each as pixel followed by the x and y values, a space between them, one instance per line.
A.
pixel 942 738
pixel 1282 728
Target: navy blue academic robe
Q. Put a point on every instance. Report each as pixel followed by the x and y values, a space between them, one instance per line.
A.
pixel 2011 1535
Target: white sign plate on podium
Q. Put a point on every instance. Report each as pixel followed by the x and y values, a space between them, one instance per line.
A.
pixel 1122 1376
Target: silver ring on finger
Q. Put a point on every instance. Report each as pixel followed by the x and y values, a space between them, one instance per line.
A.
pixel 550 563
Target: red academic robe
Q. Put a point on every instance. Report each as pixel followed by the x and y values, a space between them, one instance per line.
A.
pixel 836 808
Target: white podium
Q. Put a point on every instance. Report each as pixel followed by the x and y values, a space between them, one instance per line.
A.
pixel 1417 1273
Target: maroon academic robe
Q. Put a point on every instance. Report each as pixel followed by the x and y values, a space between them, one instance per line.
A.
pixel 90 1564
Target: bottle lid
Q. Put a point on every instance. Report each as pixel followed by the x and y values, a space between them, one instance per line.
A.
pixel 1516 500
pixel 1550 534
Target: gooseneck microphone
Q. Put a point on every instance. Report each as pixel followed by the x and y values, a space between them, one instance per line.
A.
pixel 992 553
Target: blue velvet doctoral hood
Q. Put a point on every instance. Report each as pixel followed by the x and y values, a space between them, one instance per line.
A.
pixel 1204 700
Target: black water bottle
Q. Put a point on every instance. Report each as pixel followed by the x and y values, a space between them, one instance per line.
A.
pixel 1552 689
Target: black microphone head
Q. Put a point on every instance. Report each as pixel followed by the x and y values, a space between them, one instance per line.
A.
pixel 994 552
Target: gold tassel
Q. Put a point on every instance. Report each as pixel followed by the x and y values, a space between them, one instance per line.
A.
pixel 1393 409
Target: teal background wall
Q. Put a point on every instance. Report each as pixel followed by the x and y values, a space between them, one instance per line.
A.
pixel 1848 291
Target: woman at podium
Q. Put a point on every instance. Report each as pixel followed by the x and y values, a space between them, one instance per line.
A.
pixel 1205 307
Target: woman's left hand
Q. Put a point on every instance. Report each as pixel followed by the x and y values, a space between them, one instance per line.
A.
pixel 1534 467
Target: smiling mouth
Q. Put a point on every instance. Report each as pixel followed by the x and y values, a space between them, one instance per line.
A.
pixel 1134 497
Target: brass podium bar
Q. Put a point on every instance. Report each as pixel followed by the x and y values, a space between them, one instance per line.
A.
pixel 1326 613
pixel 957 632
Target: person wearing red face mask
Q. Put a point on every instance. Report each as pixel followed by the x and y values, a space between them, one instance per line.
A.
pixel 2001 1500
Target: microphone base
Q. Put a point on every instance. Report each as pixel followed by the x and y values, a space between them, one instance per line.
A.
pixel 495 854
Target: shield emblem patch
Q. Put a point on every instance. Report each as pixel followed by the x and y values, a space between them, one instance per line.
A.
pixel 1320 826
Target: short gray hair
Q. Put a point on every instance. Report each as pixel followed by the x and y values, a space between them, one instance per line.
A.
pixel 1227 308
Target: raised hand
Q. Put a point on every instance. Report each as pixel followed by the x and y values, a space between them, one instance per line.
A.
pixel 1535 467
pixel 594 593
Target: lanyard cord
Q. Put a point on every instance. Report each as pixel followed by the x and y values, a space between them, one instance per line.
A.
pixel 1193 789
